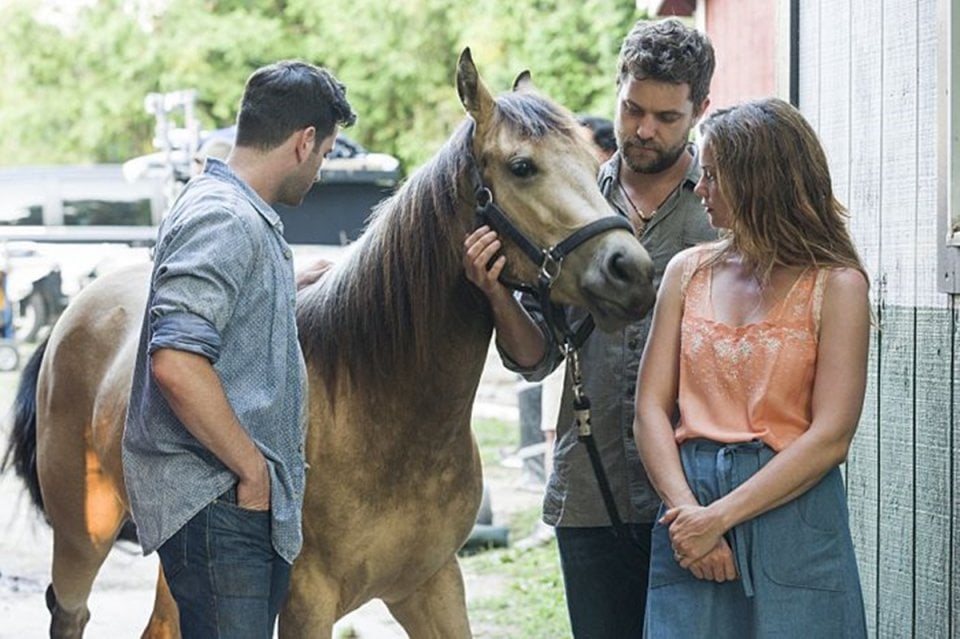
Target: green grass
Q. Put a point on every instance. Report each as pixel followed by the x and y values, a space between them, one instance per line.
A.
pixel 531 605
pixel 528 602
pixel 494 435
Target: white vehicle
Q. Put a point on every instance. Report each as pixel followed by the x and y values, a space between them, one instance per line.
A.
pixel 61 226
pixel 32 288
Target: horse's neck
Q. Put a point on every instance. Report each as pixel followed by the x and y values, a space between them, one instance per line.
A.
pixel 451 334
pixel 429 403
pixel 460 340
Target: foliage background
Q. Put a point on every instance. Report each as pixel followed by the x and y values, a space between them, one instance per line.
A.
pixel 74 74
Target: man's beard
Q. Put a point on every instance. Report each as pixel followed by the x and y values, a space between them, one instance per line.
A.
pixel 660 163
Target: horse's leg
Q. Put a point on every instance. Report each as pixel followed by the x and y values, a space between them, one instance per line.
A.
pixel 76 560
pixel 65 623
pixel 86 516
pixel 69 622
pixel 165 620
pixel 437 609
pixel 311 606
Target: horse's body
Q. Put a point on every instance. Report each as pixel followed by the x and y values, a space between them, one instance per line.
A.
pixel 395 340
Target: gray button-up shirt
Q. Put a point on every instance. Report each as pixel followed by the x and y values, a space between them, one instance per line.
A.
pixel 610 362
pixel 222 287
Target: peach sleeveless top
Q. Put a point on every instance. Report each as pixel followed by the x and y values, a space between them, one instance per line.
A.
pixel 740 383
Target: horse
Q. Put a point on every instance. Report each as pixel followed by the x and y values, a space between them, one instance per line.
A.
pixel 395 338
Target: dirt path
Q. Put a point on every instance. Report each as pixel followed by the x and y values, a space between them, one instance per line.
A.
pixel 123 592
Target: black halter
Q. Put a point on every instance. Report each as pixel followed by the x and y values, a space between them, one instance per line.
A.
pixel 549 260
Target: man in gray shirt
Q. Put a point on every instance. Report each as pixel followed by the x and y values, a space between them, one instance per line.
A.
pixel 213 445
pixel 663 84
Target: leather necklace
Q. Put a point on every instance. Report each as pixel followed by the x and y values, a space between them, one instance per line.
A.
pixel 636 209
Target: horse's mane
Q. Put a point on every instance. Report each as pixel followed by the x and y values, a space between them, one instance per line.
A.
pixel 375 312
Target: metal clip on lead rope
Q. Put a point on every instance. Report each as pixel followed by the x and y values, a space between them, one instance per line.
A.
pixel 581 404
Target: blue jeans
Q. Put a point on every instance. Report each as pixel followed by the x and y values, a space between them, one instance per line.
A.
pixel 224 574
pixel 605 579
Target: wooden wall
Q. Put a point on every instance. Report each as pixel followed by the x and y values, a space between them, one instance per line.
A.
pixel 738 30
pixel 868 84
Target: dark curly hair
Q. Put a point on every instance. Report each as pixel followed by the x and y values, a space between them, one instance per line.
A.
pixel 668 51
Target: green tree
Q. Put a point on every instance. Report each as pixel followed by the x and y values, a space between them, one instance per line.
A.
pixel 398 60
pixel 75 93
pixel 571 48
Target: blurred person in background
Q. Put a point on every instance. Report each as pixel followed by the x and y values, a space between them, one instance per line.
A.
pixel 601 135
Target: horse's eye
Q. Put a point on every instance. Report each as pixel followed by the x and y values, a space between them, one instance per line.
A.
pixel 522 167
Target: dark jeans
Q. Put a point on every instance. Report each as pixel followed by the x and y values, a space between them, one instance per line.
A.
pixel 605 579
pixel 226 577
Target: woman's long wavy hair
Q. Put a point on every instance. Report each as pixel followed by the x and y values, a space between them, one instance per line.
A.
pixel 773 173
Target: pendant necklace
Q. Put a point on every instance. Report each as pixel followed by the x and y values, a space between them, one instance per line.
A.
pixel 644 219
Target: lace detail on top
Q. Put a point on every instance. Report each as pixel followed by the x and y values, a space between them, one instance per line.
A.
pixel 755 381
pixel 689 266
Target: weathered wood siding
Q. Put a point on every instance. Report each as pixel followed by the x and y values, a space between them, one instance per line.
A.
pixel 868 84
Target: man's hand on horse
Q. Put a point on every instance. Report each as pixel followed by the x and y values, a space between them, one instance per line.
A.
pixel 481 263
pixel 312 273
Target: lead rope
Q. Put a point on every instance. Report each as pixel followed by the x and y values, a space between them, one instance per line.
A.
pixel 581 413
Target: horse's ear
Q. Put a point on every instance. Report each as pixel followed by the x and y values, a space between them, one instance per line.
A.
pixel 474 96
pixel 524 82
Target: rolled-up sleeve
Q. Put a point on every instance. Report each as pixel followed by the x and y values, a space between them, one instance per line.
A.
pixel 552 356
pixel 197 282
pixel 186 332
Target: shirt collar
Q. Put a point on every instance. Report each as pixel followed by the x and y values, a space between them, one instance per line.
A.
pixel 693 171
pixel 221 170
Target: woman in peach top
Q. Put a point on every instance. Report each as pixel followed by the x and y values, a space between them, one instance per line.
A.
pixel 760 342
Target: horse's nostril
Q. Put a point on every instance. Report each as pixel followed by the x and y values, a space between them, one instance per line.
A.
pixel 616 266
pixel 621 267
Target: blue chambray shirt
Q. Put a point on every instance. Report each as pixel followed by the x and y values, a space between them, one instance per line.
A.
pixel 222 287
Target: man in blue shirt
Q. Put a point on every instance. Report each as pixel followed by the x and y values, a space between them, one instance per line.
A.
pixel 213 446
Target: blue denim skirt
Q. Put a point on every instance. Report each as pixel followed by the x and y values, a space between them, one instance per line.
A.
pixel 797 570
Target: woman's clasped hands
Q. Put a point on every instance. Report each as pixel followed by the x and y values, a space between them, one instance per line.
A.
pixel 698 543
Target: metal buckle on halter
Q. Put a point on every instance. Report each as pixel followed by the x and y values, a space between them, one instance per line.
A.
pixel 484 197
pixel 550 267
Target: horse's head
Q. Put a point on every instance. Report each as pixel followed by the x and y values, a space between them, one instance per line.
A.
pixel 542 178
